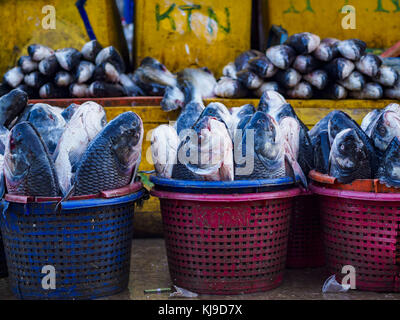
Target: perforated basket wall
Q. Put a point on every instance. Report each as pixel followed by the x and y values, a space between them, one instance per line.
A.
pixel 226 247
pixel 89 248
pixel 363 234
pixel 305 246
pixel 3 264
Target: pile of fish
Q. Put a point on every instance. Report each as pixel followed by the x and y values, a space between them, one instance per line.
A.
pixel 307 67
pixel 214 144
pixel 347 151
pixel 49 151
pixel 92 72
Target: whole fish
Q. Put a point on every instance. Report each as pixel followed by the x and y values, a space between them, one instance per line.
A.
pixel 242 60
pixel 164 150
pixel 267 86
pixel 305 63
pixel 385 129
pixel 153 71
pixel 339 68
pixel 189 115
pixel 302 90
pixel 90 50
pixel 369 64
pixel 79 90
pixel 304 42
pixel 201 79
pixel 84 71
pixel 35 79
pixel 389 169
pixel 288 78
pixel 38 52
pixel 348 159
pixel 68 58
pixel 352 49
pixel 49 66
pixel 112 158
pixel 111 55
pixel 262 67
pixel 327 50
pixel 386 76
pixel 28 168
pixel 11 105
pixel 132 90
pixel 354 82
pixel 371 90
pixel 27 65
pixel 229 70
pixel 230 88
pixel 87 121
pixel 322 150
pixel 50 91
pixel 63 79
pixel 249 79
pixel 282 56
pixel 13 77
pixel 68 112
pixel 318 79
pixel 103 89
pixel 173 99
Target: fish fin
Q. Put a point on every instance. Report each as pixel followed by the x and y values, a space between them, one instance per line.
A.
pixel 69 194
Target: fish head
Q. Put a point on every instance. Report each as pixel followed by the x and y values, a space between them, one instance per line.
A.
pixel 154 70
pixel 290 129
pixel 271 100
pixel 218 111
pixel 391 161
pixel 337 123
pixel 386 128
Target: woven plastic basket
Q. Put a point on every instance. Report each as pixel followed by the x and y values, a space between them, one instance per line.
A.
pixel 88 243
pixel 3 264
pixel 305 247
pixel 226 243
pixel 361 229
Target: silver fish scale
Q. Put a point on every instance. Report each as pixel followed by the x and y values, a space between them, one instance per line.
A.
pixel 261 172
pixel 99 170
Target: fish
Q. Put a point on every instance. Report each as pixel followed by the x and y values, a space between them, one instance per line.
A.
pixel 50 91
pixel 4 88
pixel 63 78
pixel 189 115
pixel 371 90
pixel 27 65
pixel 31 92
pixel 112 158
pixel 202 80
pixel 386 76
pixel 86 122
pixel 230 88
pixel 153 89
pixel 210 151
pixel 90 50
pixel 68 58
pixel 164 150
pixel 173 99
pixel 282 56
pixel 339 68
pixel 218 111
pixel 68 112
pixel 334 92
pixel 239 113
pixel 395 107
pixel 132 90
pixel 327 50
pixel 389 168
pixel 385 129
pixel 288 78
pixel 354 82
pixel 242 60
pixel 304 43
pixel 106 72
pixel 290 129
pixel 84 71
pixel 317 78
pixel 305 63
pixel 49 66
pixel 271 101
pixel 302 90
pixel 38 52
pixel 35 79
pixel 392 93
pixel 153 71
pixel 13 77
pixel 348 159
pixel 79 90
pixel 369 121
pixel 262 67
pixel 322 125
pixel 322 150
pixel 49 123
pixel 249 79
pixel 229 70
pixel 267 86
pixel 101 89
pixel 11 106
pixel 369 64
pixel 111 55
pixel 28 167
pixel 352 49
pixel 4 134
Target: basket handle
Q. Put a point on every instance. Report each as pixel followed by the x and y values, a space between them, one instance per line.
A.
pixel 322 178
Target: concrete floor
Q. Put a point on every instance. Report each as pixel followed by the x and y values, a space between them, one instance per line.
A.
pixel 149 270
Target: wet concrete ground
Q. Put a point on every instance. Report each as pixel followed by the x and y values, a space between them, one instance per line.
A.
pixel 149 270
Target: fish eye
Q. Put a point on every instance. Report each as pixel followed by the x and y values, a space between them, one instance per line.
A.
pixel 342 147
pixel 382 131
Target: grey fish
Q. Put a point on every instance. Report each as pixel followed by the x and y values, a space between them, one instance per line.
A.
pixel 28 168
pixel 318 78
pixel 79 90
pixel 352 49
pixel 101 89
pixel 229 70
pixel 111 55
pixel 348 159
pixel 262 67
pixel 49 66
pixel 4 88
pixel 369 64
pixel 322 125
pixel 354 82
pixel 302 90
pixel 386 76
pixel 385 129
pixel 153 89
pixel 189 115
pixel 50 91
pixel 63 78
pixel 105 71
pixel 389 169
pixel 334 91
pixel 327 50
pixel 14 77
pixel 4 132
pixel 304 42
pixel 242 61
pixel 322 149
pixel 249 79
pixel 90 50
pixel 35 79
pixel 288 78
pixel 68 58
pixel 339 68
pixel 130 87
pixel 230 88
pixel 38 52
pixel 112 158
pixel 218 111
pixel 202 81
pixel 267 86
pixel 152 71
pixel 371 90
pixel 305 63
pixel 282 56
pixel 392 93
pixel 369 121
pixel 27 64
pixel 69 111
pixel 270 101
pixel 84 71
pixel 11 105
pixel 238 114
pixel 31 92
pixel 173 99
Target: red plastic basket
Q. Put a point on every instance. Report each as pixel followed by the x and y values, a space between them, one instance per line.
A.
pixel 362 229
pixel 226 244
pixel 305 247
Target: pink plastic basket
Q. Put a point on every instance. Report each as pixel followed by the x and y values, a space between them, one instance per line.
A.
pixel 305 247
pixel 362 229
pixel 226 244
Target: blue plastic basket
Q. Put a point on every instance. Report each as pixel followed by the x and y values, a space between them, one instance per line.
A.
pixel 88 242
